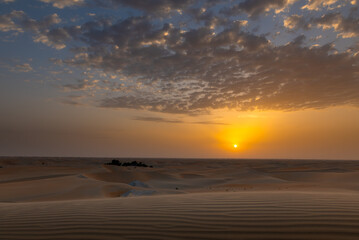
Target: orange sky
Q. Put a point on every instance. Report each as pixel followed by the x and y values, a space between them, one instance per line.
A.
pixel 331 133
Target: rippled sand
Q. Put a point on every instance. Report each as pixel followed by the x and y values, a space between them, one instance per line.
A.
pixel 185 199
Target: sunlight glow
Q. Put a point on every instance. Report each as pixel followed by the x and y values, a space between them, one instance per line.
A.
pixel 245 134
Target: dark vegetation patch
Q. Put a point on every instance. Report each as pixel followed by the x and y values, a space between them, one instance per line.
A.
pixel 116 162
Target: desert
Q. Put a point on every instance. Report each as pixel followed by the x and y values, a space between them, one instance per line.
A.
pixel 84 198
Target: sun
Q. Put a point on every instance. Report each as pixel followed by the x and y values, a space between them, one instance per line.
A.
pixel 235 145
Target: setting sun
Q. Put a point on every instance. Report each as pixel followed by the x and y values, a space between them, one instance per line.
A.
pixel 242 134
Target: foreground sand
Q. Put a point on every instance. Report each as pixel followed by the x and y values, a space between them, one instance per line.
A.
pixel 189 199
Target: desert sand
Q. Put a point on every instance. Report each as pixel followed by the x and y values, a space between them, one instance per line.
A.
pixel 82 198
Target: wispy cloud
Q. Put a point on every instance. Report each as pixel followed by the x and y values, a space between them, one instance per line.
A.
pixel 157 119
pixel 166 120
pixel 64 3
pixel 26 67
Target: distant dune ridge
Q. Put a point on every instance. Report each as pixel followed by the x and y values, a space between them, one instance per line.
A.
pixel 59 198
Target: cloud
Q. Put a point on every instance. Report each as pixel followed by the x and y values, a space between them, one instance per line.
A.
pixel 197 70
pixel 64 3
pixel 23 68
pixel 71 102
pixel 57 3
pixel 149 6
pixel 347 27
pixel 166 120
pixel 80 85
pixel 7 21
pixel 255 8
pixel 316 5
pixel 157 119
pixel 295 22
pixel 40 25
pixel 19 22
pixel 209 123
pixel 289 77
pixel 6 1
pixel 213 62
pixel 55 38
pixel 74 100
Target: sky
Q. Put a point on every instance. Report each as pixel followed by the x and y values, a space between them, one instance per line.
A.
pixel 180 78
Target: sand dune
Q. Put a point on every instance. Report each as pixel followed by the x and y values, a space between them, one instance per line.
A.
pixel 255 215
pixel 46 198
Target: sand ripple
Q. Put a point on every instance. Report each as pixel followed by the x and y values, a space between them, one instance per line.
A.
pixel 242 215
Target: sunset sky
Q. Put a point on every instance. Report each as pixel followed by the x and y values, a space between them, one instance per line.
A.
pixel 180 78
